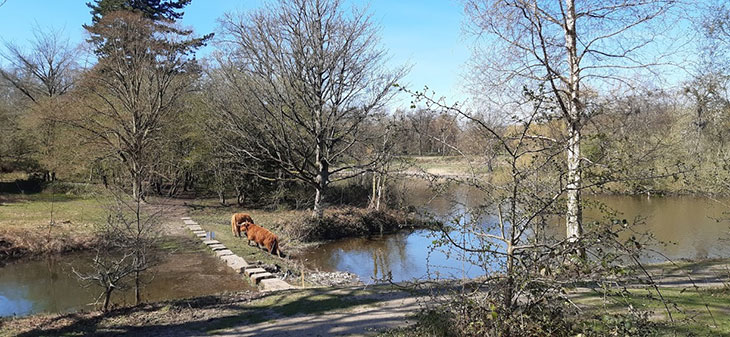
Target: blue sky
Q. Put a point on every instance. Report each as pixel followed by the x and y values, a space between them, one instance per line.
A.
pixel 425 34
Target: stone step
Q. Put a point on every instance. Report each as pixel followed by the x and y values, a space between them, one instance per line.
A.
pixel 186 218
pixel 274 284
pixel 254 270
pixel 224 252
pixel 236 262
pixel 201 235
pixel 211 242
pixel 234 257
pixel 256 278
pixel 200 231
pixel 217 247
pixel 190 222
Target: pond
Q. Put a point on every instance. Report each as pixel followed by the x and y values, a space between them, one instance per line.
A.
pixel 684 227
pixel 49 285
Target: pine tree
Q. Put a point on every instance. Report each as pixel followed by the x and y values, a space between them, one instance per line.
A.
pixel 151 9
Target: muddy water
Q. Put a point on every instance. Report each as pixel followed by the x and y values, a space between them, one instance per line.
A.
pixel 684 227
pixel 49 285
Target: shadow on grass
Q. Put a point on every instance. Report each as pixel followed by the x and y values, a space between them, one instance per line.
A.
pixel 166 315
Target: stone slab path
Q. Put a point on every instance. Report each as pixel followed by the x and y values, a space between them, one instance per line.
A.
pixel 265 280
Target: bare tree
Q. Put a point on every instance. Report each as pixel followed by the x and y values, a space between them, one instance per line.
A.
pixel 109 274
pixel 143 71
pixel 47 69
pixel 307 76
pixel 572 47
pixel 126 250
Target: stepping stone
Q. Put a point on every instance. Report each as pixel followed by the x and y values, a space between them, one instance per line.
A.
pixel 195 228
pixel 235 262
pixel 234 258
pixel 256 278
pixel 274 284
pixel 211 242
pixel 186 218
pixel 217 246
pixel 254 270
pixel 224 252
pixel 199 232
pixel 190 222
pixel 201 235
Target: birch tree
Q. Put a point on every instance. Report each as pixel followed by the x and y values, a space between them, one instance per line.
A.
pixel 573 47
pixel 307 75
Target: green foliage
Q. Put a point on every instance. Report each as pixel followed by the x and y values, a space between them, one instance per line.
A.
pixel 152 9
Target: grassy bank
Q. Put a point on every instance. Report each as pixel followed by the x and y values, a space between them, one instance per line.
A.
pixel 46 223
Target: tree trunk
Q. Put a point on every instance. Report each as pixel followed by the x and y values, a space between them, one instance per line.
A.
pixel 239 195
pixel 574 228
pixel 321 156
pixel 173 188
pixel 381 188
pixel 574 216
pixel 222 197
pixel 158 186
pixel 107 296
pixel 136 190
pixel 322 180
pixel 137 286
pixel 374 191
pixel 318 212
pixel 509 286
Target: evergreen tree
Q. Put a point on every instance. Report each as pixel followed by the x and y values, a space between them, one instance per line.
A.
pixel 151 9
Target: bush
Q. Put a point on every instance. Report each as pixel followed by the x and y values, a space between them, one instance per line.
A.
pixel 480 314
pixel 351 222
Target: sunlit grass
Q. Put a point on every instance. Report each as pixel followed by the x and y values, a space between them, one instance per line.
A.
pixel 74 213
pixel 696 312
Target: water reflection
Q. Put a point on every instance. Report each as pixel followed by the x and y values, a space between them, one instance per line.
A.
pixel 49 285
pixel 400 257
pixel 689 227
pixel 685 227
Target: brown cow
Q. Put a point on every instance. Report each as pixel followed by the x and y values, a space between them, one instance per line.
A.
pixel 262 236
pixel 237 221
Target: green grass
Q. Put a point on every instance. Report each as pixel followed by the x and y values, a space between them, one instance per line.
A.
pixel 696 312
pixel 34 210
pixel 302 302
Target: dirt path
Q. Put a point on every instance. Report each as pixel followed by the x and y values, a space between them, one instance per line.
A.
pixel 392 310
pixel 169 211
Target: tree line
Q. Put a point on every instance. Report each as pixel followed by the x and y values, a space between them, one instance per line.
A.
pixel 298 94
